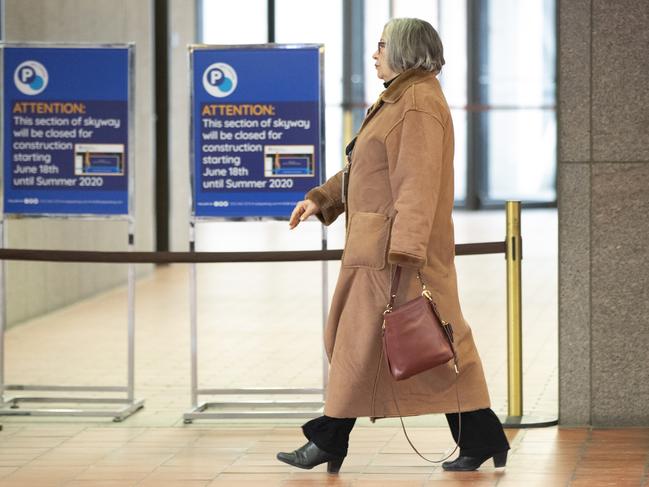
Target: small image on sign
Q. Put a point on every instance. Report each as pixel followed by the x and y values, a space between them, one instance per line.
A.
pixel 99 159
pixel 289 161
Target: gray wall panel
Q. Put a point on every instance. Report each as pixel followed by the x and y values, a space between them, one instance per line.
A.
pixel 620 80
pixel 620 309
pixel 603 307
pixel 574 290
pixel 574 81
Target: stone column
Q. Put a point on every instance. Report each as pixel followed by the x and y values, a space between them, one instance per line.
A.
pixel 603 112
pixel 182 26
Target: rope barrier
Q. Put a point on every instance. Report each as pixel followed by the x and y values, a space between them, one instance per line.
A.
pixel 208 257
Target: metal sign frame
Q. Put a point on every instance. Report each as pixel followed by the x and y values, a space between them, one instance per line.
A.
pixel 11 406
pixel 258 408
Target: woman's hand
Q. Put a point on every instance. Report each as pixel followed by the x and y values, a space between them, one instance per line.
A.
pixel 303 210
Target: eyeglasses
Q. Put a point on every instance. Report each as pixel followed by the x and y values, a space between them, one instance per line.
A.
pixel 381 45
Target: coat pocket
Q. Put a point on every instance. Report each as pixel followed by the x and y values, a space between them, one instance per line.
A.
pixel 367 241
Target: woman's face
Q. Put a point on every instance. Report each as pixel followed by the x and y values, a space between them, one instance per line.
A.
pixel 380 56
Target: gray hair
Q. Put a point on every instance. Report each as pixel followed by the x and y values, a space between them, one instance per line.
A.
pixel 413 43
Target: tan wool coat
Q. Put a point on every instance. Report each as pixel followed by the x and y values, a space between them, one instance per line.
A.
pixel 399 203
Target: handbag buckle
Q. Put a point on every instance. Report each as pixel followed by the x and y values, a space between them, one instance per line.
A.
pixel 388 310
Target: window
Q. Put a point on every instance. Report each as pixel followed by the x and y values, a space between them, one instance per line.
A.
pixel 515 136
pixel 301 22
pixel 240 22
pixel 521 93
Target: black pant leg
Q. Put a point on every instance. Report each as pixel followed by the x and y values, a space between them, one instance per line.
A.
pixel 482 432
pixel 330 434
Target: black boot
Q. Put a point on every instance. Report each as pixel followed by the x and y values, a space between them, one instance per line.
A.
pixel 309 455
pixel 466 464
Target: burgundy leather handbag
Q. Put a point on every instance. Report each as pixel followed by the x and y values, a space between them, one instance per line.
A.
pixel 415 337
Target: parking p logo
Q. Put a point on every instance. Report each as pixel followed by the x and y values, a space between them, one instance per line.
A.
pixel 31 77
pixel 220 80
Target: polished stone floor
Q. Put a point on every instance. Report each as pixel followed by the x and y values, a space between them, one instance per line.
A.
pixel 219 455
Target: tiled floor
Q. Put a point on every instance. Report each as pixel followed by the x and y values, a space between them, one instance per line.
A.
pixel 260 326
pixel 218 455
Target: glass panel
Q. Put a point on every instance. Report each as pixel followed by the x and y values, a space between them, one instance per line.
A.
pixel 421 9
pixel 459 161
pixel 522 154
pixel 521 52
pixel 333 139
pixel 452 30
pixel 377 13
pixel 297 21
pixel 300 22
pixel 240 22
pixel 521 91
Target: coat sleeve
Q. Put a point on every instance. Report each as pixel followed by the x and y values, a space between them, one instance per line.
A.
pixel 328 197
pixel 414 151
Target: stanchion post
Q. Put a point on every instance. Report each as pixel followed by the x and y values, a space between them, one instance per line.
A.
pixel 514 258
pixel 348 129
pixel 514 310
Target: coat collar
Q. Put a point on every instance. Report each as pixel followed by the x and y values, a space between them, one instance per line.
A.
pixel 402 82
pixel 393 92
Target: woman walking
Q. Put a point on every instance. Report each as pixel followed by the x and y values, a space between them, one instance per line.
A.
pixel 397 192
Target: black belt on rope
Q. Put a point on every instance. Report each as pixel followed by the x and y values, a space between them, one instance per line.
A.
pixel 207 257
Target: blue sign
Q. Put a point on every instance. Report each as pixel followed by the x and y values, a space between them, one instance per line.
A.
pixel 66 133
pixel 257 122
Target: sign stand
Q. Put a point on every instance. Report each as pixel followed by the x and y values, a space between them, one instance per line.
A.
pixel 11 406
pixel 283 164
pixel 255 408
pixel 95 161
pixel 325 311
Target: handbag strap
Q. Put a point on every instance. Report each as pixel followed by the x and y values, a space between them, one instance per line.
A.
pixel 459 420
pixel 394 286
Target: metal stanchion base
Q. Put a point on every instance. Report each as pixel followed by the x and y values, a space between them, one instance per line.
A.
pixel 118 415
pixel 255 410
pixel 521 422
